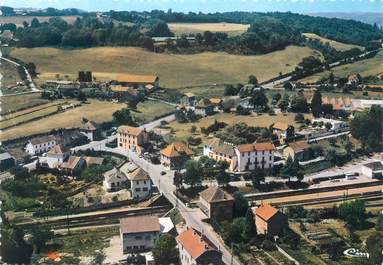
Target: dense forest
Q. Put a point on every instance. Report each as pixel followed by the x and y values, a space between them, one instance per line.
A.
pixel 87 31
pixel 348 31
pixel 267 32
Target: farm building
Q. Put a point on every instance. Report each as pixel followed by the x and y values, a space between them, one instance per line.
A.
pixel 268 220
pixel 138 81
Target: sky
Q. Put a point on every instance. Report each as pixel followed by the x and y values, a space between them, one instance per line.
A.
pixel 298 6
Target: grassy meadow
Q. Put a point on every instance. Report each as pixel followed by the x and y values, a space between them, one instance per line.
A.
pixel 335 44
pixel 174 70
pixel 10 75
pixel 368 67
pixel 232 29
pixel 150 110
pixel 18 102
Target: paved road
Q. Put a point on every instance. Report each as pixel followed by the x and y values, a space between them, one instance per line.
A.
pixel 192 216
pixel 99 145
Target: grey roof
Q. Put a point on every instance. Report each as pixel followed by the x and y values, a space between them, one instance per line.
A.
pixel 220 146
pixel 204 103
pixel 6 155
pixel 138 174
pixel 140 224
pixel 215 194
pixel 43 139
pixel 375 165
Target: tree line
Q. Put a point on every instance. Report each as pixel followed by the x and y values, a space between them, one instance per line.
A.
pixel 267 32
pixel 87 31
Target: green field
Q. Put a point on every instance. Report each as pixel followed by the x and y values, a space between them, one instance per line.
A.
pixel 10 75
pixel 335 44
pixel 28 117
pixel 368 67
pixel 17 102
pixel 150 110
pixel 174 70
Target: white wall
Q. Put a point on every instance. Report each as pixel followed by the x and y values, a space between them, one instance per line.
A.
pixel 243 159
pixel 140 188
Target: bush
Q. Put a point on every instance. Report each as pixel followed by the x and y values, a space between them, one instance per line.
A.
pixel 268 245
pixel 299 117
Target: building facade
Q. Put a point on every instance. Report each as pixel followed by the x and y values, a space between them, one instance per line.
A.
pixel 220 151
pixel 138 233
pixel 40 145
pixel 268 220
pixel 196 249
pixel 132 138
pixel 175 155
pixel 373 170
pixel 216 203
pixel 256 155
pixel 6 161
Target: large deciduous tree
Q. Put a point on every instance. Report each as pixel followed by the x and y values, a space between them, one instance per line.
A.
pixel 193 173
pixel 316 104
pixel 367 127
pixel 164 250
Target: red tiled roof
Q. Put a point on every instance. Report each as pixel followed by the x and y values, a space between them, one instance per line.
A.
pixel 130 130
pixel 255 147
pixel 176 149
pixel 265 211
pixel 195 243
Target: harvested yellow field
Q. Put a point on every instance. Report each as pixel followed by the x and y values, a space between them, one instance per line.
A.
pixel 335 44
pixel 18 20
pixel 192 28
pixel 99 111
pixel 174 70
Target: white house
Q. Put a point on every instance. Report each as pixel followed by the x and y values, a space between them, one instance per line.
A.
pixel 40 145
pixel 256 155
pixel 130 177
pixel 58 153
pixel 55 157
pixel 336 125
pixel 138 233
pixel 114 180
pixel 220 151
pixel 89 129
pixel 140 184
pixel 373 169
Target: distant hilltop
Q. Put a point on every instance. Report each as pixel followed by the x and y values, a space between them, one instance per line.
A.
pixel 366 17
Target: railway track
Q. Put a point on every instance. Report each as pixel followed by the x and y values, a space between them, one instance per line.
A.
pixel 367 198
pixel 111 217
